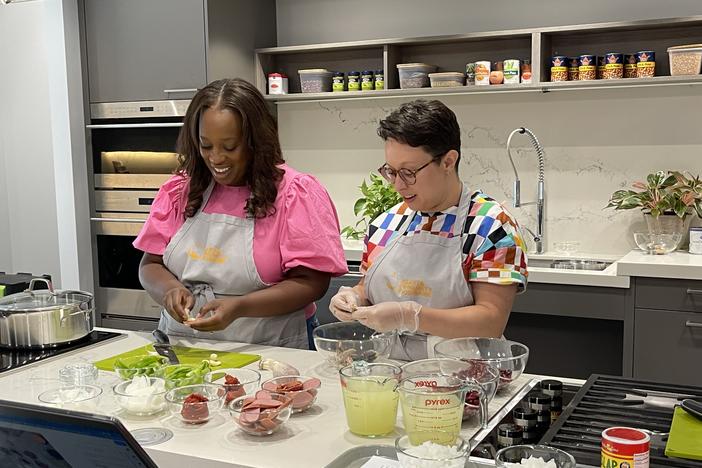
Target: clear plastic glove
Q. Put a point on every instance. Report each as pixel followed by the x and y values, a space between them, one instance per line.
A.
pixel 388 316
pixel 344 302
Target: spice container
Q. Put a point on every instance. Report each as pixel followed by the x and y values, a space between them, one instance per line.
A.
pixel 482 73
pixel 277 83
pixel 511 71
pixel 367 80
pixel 526 71
pixel 540 401
pixel 414 75
pixel 556 408
pixel 379 80
pixel 573 64
pixel 316 80
pixel 353 81
pixel 559 70
pixel 470 74
pixel 524 417
pixel 551 387
pixel 625 446
pixel 630 66
pixel 695 240
pixel 685 60
pixel 613 66
pixel 446 80
pixel 645 64
pixel 509 435
pixel 587 70
pixel 497 74
pixel 543 420
pixel 338 82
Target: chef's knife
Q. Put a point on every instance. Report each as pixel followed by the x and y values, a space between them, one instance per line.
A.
pixel 693 408
pixel 164 347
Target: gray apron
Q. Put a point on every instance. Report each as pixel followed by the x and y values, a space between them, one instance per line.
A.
pixel 425 268
pixel 212 255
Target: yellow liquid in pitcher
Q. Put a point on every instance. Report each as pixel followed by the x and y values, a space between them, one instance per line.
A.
pixel 371 406
pixel 439 413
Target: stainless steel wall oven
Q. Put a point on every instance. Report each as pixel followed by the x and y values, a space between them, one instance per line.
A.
pixel 132 147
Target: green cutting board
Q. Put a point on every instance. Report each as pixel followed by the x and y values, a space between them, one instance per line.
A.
pixel 685 439
pixel 186 356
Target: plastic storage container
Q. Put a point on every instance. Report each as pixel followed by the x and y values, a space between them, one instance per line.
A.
pixel 685 60
pixel 316 80
pixel 414 75
pixel 446 80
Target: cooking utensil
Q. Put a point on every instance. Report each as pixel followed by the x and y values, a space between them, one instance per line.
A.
pixel 45 318
pixel 164 347
pixel 692 407
pixel 637 398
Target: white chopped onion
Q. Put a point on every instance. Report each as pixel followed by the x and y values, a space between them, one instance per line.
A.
pixel 143 396
pixel 431 455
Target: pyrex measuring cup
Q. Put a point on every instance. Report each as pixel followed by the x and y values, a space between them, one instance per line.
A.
pixel 474 372
pixel 434 402
pixel 370 397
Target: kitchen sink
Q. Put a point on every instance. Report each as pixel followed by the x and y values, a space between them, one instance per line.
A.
pixel 569 264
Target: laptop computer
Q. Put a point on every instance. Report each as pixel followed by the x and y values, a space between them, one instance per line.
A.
pixel 33 436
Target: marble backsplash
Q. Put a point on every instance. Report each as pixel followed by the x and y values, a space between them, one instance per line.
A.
pixel 595 141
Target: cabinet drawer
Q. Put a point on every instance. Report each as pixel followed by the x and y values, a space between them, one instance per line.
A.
pixel 669 294
pixel 668 346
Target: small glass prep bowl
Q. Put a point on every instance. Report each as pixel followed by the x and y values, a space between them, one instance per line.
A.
pixel 516 453
pixel 472 371
pixel 509 357
pixel 144 364
pixel 141 403
pixel 263 421
pixel 341 343
pixel 423 449
pixel 657 244
pixel 249 380
pixel 196 412
pixel 301 399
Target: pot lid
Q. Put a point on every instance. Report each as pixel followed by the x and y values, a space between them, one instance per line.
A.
pixel 43 300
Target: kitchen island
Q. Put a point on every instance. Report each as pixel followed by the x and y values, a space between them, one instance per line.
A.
pixel 310 439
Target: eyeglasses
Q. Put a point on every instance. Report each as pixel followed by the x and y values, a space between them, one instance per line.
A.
pixel 408 176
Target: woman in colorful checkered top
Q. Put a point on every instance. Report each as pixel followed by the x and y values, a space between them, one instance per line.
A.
pixel 446 262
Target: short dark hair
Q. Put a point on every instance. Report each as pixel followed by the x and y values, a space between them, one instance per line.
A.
pixel 426 124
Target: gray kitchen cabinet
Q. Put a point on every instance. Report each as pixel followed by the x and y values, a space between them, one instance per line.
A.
pixel 668 346
pixel 145 49
pixel 573 331
pixel 668 330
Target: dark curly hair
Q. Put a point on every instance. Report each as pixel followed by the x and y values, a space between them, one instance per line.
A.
pixel 426 124
pixel 259 131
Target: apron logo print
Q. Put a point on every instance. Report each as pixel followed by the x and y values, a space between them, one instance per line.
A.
pixel 410 288
pixel 209 255
pixel 442 401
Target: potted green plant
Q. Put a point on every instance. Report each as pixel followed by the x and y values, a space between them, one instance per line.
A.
pixel 377 197
pixel 667 200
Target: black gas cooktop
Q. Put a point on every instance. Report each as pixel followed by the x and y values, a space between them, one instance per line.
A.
pixel 600 403
pixel 14 358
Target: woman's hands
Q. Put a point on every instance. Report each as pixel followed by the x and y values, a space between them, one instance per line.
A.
pixel 388 316
pixel 344 302
pixel 222 313
pixel 178 301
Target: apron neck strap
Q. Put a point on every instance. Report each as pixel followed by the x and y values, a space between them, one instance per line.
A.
pixel 206 196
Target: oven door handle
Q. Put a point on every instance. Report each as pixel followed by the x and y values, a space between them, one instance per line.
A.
pixel 118 220
pixel 137 125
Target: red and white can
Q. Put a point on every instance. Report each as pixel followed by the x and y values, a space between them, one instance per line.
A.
pixel 625 447
pixel 277 83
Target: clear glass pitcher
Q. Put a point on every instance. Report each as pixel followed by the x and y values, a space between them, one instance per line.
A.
pixel 474 372
pixel 435 402
pixel 370 397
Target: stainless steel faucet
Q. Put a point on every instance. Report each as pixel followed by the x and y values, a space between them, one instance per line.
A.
pixel 539 236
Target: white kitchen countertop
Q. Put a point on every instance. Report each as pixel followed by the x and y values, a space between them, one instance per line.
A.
pixel 676 265
pixel 310 439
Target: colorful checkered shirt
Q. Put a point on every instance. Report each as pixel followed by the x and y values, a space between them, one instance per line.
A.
pixel 493 251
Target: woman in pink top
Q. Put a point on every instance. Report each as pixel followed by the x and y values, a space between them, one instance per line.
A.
pixel 237 243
